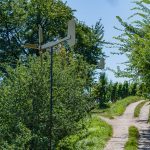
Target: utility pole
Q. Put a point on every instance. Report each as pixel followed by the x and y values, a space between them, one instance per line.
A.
pixel 70 39
pixel 51 96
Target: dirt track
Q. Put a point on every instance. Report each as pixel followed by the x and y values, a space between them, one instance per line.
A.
pixel 121 124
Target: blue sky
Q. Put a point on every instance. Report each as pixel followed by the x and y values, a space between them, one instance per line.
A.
pixel 90 12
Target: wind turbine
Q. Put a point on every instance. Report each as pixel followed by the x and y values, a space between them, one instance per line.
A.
pixel 70 38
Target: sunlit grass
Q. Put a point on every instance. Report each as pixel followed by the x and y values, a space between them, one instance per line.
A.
pixel 94 138
pixel 99 133
pixel 117 108
pixel 132 143
pixel 138 109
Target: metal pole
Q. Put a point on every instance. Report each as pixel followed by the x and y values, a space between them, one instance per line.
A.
pixel 51 95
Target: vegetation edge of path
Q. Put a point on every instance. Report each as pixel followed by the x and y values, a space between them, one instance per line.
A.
pixel 138 109
pixel 97 129
pixel 96 135
pixel 132 143
pixel 117 108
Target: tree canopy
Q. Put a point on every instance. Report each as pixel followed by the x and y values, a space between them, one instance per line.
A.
pixel 24 97
pixel 19 21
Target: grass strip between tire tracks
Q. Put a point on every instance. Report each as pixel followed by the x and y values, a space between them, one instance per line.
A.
pixel 132 143
pixel 138 109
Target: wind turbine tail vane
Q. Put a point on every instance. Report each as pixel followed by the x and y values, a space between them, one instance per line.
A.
pixel 71 32
pixel 40 35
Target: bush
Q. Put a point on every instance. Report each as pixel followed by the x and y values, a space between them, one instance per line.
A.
pixel 25 105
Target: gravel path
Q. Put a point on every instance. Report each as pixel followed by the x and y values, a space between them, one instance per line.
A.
pixel 122 123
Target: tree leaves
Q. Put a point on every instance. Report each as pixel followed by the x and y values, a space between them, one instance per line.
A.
pixel 134 42
pixel 19 20
pixel 24 101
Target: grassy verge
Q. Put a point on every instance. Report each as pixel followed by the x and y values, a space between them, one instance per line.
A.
pixel 117 108
pixel 132 143
pixel 95 136
pixel 138 109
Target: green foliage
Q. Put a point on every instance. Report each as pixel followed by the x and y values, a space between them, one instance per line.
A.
pixel 133 89
pixel 24 93
pixel 114 92
pixel 19 20
pixel 24 101
pixel 119 107
pixel 100 90
pixel 125 89
pixel 132 143
pixel 138 109
pixel 95 136
pixel 17 136
pixel 90 41
pixel 146 1
pixel 105 91
pixel 134 43
pixel 120 90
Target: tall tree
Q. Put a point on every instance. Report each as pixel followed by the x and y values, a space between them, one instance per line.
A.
pixel 24 101
pixel 100 90
pixel 114 93
pixel 133 88
pixel 120 91
pixel 19 20
pixel 125 89
pixel 90 41
pixel 109 90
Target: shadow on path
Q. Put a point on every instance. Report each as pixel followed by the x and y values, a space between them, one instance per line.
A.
pixel 144 128
pixel 144 142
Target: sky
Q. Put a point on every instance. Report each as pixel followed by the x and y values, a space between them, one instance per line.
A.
pixel 90 11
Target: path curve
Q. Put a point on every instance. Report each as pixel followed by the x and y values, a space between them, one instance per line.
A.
pixel 120 128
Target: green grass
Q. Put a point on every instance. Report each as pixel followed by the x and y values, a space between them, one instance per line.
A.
pixel 132 143
pixel 95 137
pixel 97 132
pixel 138 109
pixel 117 108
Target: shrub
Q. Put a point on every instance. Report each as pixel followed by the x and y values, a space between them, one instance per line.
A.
pixel 25 105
